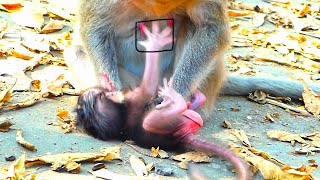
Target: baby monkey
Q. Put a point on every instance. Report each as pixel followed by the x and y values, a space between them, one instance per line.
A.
pixel 134 114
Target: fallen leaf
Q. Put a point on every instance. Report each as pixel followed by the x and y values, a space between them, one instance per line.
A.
pixel 22 53
pixel 73 167
pixel 311 100
pixel 258 19
pixel 55 87
pixel 29 101
pixel 154 151
pixel 241 135
pixel 61 160
pixel 269 117
pixel 138 166
pixel 52 26
pixel 194 156
pixel 183 165
pixel 23 142
pixel 35 86
pixel 106 174
pixel 5 124
pixel 163 154
pixel 29 17
pixel 4 25
pixel 17 169
pixel 60 13
pixel 227 124
pixel 150 166
pixel 36 46
pixel 308 149
pixel 285 136
pixel 234 13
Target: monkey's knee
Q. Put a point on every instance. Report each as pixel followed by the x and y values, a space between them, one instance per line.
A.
pixel 81 70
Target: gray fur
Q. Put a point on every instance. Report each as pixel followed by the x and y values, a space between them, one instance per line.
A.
pixel 243 85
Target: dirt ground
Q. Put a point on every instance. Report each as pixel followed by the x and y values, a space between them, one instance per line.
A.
pixel 36 122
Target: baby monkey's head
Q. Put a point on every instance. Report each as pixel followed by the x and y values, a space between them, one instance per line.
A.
pixel 101 113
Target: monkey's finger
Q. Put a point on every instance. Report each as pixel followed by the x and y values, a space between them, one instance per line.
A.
pixel 143 43
pixel 166 32
pixel 155 27
pixel 165 83
pixel 171 82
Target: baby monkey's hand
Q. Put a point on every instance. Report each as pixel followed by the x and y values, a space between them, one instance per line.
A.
pixel 156 40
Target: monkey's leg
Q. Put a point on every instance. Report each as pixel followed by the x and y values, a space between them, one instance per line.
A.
pixel 82 73
pixel 212 86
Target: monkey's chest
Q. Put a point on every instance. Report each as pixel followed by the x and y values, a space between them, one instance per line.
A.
pixel 134 61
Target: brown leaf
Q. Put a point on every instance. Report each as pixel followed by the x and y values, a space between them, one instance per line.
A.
pixel 55 87
pixel 286 136
pixel 52 26
pixel 24 143
pixel 227 124
pixel 36 46
pixel 10 7
pixel 269 117
pixel 29 101
pixel 5 124
pixel 72 167
pixel 60 160
pixel 311 100
pixel 35 86
pixel 234 13
pixel 22 53
pixel 138 166
pixel 241 135
pixel 154 151
pixel 192 156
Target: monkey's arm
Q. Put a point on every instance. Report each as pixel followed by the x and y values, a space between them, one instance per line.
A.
pixel 98 36
pixel 155 42
pixel 210 39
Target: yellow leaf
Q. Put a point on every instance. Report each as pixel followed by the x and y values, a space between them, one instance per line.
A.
pixel 286 136
pixel 192 156
pixel 138 166
pixel 241 135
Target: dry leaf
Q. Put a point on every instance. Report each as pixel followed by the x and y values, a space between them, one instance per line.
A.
pixel 35 86
pixel 192 156
pixel 36 46
pixel 269 117
pixel 154 151
pixel 10 7
pixel 234 13
pixel 106 174
pixel 227 124
pixel 4 25
pixel 73 167
pixel 29 101
pixel 286 136
pixel 241 135
pixel 22 53
pixel 258 19
pixel 67 120
pixel 17 169
pixel 149 167
pixel 5 124
pixel 311 100
pixel 163 154
pixel 138 166
pixel 60 13
pixel 308 149
pixel 52 26
pixel 24 143
pixel 55 87
pixel 61 160
pixel 29 17
pixel 183 165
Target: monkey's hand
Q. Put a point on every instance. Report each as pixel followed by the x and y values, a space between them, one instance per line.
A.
pixel 156 40
pixel 170 95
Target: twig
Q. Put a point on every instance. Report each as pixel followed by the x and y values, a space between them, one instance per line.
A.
pixel 136 149
pixel 285 106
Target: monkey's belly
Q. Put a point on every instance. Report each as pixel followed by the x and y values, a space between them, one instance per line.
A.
pixel 134 61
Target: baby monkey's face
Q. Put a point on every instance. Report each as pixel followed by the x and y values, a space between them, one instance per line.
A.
pixel 99 94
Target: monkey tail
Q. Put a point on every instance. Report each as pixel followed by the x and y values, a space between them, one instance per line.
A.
pixel 205 146
pixel 239 85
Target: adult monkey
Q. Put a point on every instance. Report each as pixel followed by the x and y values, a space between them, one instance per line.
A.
pixel 201 31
